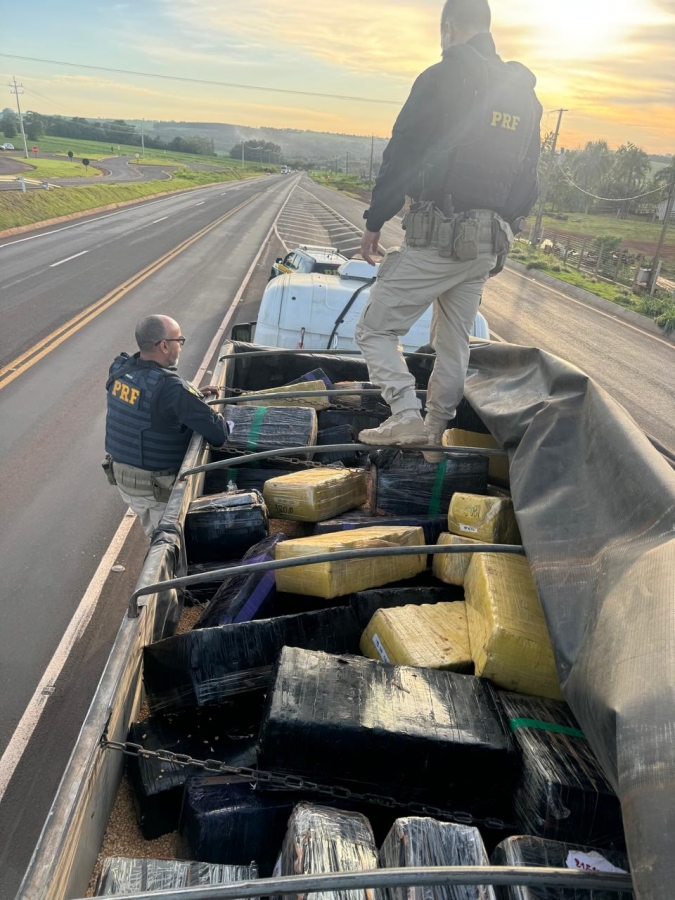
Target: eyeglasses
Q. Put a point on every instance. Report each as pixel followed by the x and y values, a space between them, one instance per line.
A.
pixel 179 340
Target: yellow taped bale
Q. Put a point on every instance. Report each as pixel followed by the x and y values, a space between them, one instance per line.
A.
pixel 321 401
pixel 315 494
pixel 487 519
pixel 498 467
pixel 451 567
pixel 431 636
pixel 508 634
pixel 334 579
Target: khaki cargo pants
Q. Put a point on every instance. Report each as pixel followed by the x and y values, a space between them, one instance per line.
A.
pixel 408 281
pixel 147 493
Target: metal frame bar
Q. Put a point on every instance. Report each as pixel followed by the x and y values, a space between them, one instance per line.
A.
pixel 285 395
pixel 332 448
pixel 278 351
pixel 415 876
pixel 337 556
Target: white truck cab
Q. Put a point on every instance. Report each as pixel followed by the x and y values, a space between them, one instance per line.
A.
pixel 318 312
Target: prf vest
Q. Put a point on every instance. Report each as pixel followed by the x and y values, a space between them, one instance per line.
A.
pixel 131 435
pixel 480 157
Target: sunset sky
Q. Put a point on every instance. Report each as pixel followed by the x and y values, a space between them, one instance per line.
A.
pixel 611 64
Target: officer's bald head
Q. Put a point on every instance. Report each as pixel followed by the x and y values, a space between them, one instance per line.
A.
pixel 153 329
pixel 464 18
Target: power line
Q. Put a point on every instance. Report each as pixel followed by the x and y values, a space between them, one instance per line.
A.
pixel 609 199
pixel 228 84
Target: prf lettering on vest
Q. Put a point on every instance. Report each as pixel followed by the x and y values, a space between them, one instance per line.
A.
pixel 505 120
pixel 125 393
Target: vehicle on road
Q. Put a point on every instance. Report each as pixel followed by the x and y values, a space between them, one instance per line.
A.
pixel 318 311
pixel 308 258
pixel 6 146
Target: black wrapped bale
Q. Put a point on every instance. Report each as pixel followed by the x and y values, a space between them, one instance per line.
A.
pixel 321 839
pixel 415 841
pixel 245 597
pixel 223 526
pixel 537 852
pixel 404 484
pixel 366 603
pixel 258 428
pixel 366 402
pixel 121 875
pixel 314 375
pixel 210 665
pixel 433 526
pixel 355 722
pixel 198 594
pixel 340 434
pixel 562 793
pixel 227 734
pixel 246 478
pixel 355 419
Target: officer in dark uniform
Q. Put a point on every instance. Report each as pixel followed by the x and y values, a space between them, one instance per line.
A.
pixel 465 148
pixel 152 413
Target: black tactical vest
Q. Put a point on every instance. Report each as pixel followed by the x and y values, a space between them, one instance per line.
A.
pixel 480 158
pixel 129 433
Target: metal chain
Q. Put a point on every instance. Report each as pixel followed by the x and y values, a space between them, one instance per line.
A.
pixel 297 783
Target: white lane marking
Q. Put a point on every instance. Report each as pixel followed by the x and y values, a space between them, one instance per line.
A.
pixel 68 259
pixel 24 730
pixel 87 605
pixel 159 220
pixel 120 212
pixel 493 334
pixel 201 203
pixel 594 309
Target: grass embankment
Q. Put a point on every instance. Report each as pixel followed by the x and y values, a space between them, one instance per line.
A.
pixel 99 150
pixel 351 185
pixel 636 230
pixel 17 208
pixel 661 308
pixel 55 168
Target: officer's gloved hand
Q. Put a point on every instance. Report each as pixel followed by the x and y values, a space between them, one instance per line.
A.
pixel 210 390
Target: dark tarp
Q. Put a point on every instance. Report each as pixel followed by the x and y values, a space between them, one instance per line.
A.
pixel 595 503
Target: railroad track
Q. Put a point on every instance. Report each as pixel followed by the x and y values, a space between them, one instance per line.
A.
pixel 308 220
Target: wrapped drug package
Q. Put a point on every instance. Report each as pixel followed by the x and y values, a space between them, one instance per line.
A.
pixel 355 419
pixel 432 526
pixel 404 484
pixel 209 665
pixel 319 402
pixel 562 792
pixel 314 375
pixel 321 839
pixel 358 723
pixel 452 567
pixel 366 603
pixel 429 636
pixel 315 494
pixel 258 428
pixel 245 597
pixel 340 434
pixel 335 579
pixel 227 734
pixel 509 639
pixel 247 478
pixel 121 875
pixel 416 841
pixel 534 851
pixel 223 526
pixel 498 466
pixel 487 519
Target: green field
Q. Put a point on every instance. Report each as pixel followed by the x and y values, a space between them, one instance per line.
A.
pixel 637 229
pixel 99 150
pixel 17 208
pixel 55 168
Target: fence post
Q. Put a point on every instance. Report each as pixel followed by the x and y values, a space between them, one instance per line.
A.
pixel 638 266
pixel 581 254
pixel 618 263
pixel 597 263
pixel 567 248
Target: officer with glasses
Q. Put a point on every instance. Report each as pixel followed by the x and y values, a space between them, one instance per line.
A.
pixel 152 413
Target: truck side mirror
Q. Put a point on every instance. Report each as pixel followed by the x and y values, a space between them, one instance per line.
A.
pixel 243 332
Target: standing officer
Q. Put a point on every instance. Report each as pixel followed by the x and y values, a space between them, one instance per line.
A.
pixel 152 413
pixel 465 147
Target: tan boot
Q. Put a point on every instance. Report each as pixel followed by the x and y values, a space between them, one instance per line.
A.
pixel 404 429
pixel 434 438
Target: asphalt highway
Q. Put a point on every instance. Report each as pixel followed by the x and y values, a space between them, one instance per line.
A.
pixel 57 512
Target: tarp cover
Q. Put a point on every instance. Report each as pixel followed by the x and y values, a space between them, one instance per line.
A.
pixel 595 503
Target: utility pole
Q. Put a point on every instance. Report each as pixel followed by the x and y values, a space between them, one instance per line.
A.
pixel 536 235
pixel 654 275
pixel 372 150
pixel 17 89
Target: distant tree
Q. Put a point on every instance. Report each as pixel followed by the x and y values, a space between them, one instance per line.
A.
pixel 9 125
pixel 628 175
pixel 257 151
pixel 35 126
pixel 590 167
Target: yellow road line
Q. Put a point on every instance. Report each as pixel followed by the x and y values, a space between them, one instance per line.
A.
pixel 28 359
